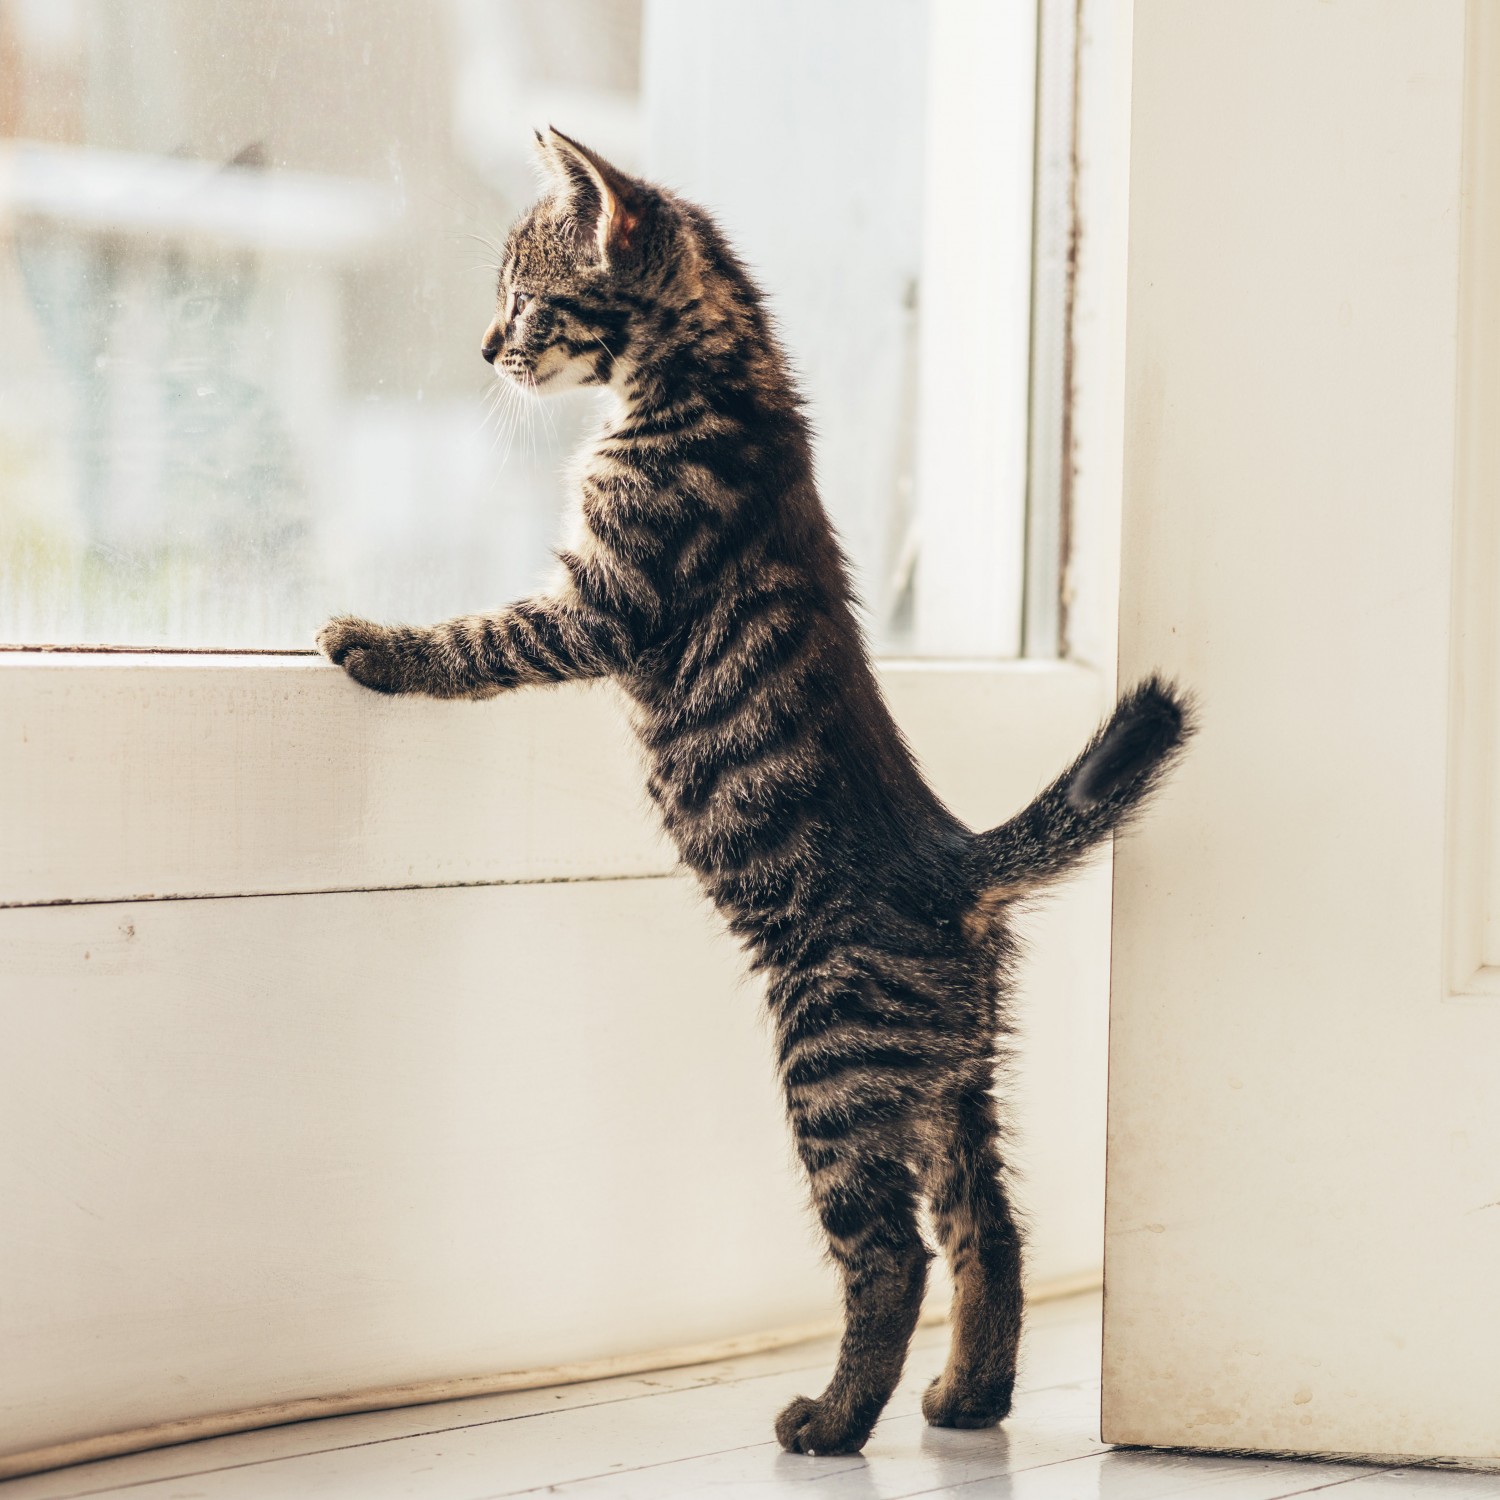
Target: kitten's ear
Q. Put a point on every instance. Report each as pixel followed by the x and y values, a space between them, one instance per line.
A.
pixel 603 197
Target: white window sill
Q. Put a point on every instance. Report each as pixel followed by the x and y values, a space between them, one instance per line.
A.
pixel 147 775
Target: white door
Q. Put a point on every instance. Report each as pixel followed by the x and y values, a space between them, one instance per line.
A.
pixel 1303 1223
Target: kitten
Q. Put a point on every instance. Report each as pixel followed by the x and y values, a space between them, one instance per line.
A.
pixel 707 581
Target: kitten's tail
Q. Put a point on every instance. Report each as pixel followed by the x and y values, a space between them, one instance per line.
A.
pixel 1101 792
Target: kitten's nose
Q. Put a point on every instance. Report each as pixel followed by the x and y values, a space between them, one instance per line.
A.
pixel 494 336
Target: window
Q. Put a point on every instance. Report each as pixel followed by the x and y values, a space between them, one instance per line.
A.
pixel 252 252
pixel 243 282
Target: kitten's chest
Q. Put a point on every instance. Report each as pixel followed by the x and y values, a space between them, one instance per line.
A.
pixel 615 501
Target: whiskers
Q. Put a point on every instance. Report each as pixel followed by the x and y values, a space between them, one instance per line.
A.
pixel 514 411
pixel 494 253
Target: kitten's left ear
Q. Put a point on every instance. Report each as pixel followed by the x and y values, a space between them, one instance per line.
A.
pixel 599 191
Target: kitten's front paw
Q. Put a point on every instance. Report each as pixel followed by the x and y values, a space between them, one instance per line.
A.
pixel 363 649
pixel 808 1426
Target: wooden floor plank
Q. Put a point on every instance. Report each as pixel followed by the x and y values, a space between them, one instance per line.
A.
pixel 547 1447
pixel 706 1430
pixel 1142 1475
pixel 1424 1484
pixel 1047 1451
pixel 279 1443
pixel 905 1457
pixel 1063 1336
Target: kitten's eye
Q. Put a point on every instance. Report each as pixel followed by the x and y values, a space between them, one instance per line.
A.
pixel 519 302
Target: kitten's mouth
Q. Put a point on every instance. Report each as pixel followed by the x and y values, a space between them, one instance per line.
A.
pixel 519 375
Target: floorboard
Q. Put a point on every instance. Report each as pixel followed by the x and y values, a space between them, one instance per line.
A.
pixel 705 1430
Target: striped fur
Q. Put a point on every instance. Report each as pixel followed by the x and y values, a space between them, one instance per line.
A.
pixel 707 582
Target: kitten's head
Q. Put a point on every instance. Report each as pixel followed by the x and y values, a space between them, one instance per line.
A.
pixel 577 269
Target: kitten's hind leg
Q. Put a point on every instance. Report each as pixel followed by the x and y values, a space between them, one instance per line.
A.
pixel 976 1227
pixel 866 1200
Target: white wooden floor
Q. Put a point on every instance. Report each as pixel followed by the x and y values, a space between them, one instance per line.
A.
pixel 706 1431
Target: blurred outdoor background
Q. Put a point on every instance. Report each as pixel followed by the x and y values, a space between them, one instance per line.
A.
pixel 248 250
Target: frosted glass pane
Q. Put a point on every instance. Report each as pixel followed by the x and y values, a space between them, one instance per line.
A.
pixel 247 254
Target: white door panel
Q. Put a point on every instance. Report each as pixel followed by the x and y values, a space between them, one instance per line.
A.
pixel 1304 1150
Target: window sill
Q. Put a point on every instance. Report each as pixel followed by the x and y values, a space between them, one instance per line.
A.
pixel 164 775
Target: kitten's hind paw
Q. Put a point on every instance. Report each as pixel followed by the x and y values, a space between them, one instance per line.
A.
pixel 956 1405
pixel 816 1427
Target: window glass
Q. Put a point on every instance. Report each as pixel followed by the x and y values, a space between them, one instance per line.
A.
pixel 247 254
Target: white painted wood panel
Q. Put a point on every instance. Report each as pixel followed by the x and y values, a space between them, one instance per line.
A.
pixel 266 1148
pixel 1474 731
pixel 1302 1225
pixel 144 776
pixel 156 775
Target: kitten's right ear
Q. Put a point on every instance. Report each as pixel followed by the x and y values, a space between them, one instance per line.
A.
pixel 603 197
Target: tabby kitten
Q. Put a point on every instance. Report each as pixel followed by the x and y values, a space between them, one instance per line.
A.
pixel 706 580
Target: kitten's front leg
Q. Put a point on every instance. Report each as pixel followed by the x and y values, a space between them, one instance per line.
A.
pixel 477 656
